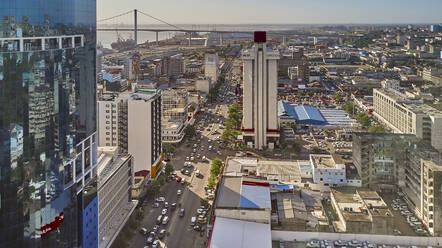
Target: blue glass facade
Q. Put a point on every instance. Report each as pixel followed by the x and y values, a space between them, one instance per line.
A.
pixel 47 123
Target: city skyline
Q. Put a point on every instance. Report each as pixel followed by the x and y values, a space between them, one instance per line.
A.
pixel 281 12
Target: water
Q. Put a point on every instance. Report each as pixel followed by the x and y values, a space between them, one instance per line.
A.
pixel 106 38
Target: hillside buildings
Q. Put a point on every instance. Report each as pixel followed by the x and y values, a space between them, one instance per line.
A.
pixel 260 121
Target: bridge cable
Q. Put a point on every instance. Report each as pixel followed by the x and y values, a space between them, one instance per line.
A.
pixel 105 19
pixel 161 20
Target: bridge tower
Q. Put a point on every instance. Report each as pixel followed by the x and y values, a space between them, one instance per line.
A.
pixel 135 27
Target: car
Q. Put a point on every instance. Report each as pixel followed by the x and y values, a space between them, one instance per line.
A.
pixel 165 220
pixel 155 228
pixel 186 172
pixel 164 211
pixel 143 231
pixel 198 173
pixel 155 205
pixel 162 233
pixel 156 244
pixel 192 221
pixel 159 219
pixel 173 206
pixel 181 213
pixel 179 192
pixel 178 179
pixel 197 228
pixel 183 181
pixel 160 199
pixel 150 240
pixel 166 204
pixel 200 211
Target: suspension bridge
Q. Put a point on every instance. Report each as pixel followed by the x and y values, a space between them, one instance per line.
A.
pixel 170 27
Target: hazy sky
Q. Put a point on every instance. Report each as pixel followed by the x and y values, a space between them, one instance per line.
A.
pixel 277 11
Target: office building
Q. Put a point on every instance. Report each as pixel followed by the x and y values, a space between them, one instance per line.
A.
pixel 132 121
pixel 295 59
pixel 406 114
pixel 174 104
pixel 260 113
pixel 48 194
pixel 436 28
pixel 115 181
pixel 172 65
pixel 401 162
pixel 211 65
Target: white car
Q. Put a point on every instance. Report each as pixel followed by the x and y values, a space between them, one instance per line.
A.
pixel 164 211
pixel 179 192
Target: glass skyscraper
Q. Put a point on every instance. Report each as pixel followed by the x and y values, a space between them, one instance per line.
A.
pixel 47 123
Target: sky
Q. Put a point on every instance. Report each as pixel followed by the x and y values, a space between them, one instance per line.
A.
pixel 276 11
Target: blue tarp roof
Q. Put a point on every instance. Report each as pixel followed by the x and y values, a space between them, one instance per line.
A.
pixel 302 114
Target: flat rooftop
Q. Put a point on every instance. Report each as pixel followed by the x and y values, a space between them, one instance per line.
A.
pixel 322 161
pixel 240 192
pixel 233 233
pixel 284 171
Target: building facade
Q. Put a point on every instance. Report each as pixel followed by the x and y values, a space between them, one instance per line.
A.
pixel 406 115
pixel 115 181
pixel 48 195
pixel 211 65
pixel 260 120
pixel 107 122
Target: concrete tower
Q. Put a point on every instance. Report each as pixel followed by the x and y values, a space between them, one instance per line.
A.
pixel 260 124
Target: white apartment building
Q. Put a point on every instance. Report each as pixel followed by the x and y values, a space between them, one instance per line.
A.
pixel 431 196
pixel 107 121
pixel 326 170
pixel 115 180
pixel 211 65
pixel 260 112
pixel 406 115
pixel 132 121
pixel 174 104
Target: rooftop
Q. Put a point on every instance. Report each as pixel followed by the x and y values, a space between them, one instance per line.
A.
pixel 323 161
pixel 240 234
pixel 239 192
pixel 108 162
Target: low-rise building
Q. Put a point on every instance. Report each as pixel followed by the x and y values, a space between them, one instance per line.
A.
pixel 361 212
pixel 328 169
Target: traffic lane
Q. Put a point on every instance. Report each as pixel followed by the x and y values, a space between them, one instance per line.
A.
pixel 151 214
pixel 191 202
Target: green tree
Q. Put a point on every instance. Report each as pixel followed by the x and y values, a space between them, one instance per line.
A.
pixel 211 182
pixel 190 131
pixel 363 119
pixel 168 148
pixel 316 150
pixel 169 169
pixel 154 188
pixel 139 214
pixel 215 169
pixel 376 129
pixel 338 96
pixel 349 107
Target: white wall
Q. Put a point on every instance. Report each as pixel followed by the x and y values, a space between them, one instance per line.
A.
pixel 261 216
pixel 139 133
pixel 373 238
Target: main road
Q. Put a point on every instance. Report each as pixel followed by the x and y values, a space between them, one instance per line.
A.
pixel 180 232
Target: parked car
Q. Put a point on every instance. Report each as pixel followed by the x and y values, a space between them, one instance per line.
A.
pixel 164 211
pixel 162 233
pixel 156 244
pixel 165 220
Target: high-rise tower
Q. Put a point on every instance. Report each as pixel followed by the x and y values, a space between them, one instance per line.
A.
pixel 47 124
pixel 260 121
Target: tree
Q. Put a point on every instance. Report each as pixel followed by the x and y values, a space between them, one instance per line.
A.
pixel 338 97
pixel 139 214
pixel 168 148
pixel 376 129
pixel 190 131
pixel 169 169
pixel 363 119
pixel 349 107
pixel 215 169
pixel 154 188
pixel 211 182
pixel 316 150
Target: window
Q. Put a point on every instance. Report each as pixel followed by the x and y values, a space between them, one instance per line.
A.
pixel 321 179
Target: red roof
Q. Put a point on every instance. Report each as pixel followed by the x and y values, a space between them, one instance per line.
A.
pixel 142 173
